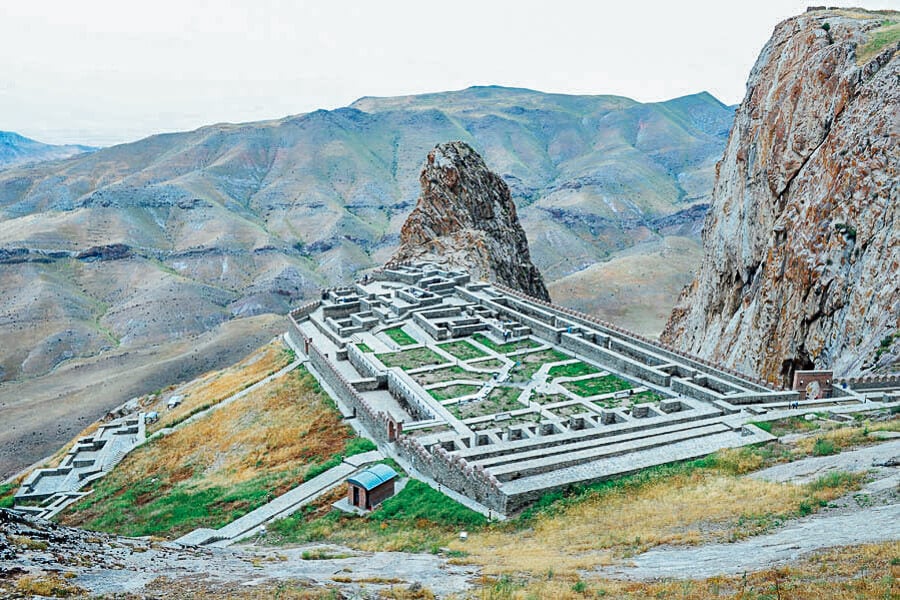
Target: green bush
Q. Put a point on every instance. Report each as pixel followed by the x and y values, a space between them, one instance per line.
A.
pixel 824 447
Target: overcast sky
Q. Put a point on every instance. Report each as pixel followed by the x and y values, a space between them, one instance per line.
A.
pixel 108 71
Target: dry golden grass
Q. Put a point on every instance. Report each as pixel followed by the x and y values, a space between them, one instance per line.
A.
pixel 844 437
pixel 231 460
pixel 692 508
pixel 275 428
pixel 50 585
pixel 215 386
pixel 869 571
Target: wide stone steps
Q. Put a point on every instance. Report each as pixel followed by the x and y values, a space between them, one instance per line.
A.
pixel 642 428
pixel 661 432
pixel 564 457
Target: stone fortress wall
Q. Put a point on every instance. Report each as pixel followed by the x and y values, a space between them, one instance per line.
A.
pixel 509 458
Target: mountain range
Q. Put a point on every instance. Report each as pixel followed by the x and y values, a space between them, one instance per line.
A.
pixel 139 264
pixel 16 150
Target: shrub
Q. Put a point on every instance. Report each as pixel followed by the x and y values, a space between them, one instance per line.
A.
pixel 826 26
pixel 823 447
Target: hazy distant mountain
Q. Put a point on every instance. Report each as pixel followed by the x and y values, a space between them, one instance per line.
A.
pixel 17 150
pixel 170 236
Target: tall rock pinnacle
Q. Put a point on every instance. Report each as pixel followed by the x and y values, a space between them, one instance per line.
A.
pixel 802 243
pixel 465 218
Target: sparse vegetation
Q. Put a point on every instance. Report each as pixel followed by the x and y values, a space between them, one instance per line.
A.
pixel 222 466
pixel 491 363
pixel 411 359
pixel 400 337
pixel 887 34
pixel 51 585
pixel 449 374
pixel 462 350
pixel 213 387
pixel 501 399
pixel 453 391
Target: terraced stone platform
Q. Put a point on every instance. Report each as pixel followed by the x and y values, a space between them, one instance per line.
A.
pixel 503 397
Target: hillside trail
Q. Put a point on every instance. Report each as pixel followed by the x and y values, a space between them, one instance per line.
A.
pixel 868 515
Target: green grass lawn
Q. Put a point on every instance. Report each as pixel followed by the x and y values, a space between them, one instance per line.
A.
pixel 417 519
pixel 411 359
pixel 573 370
pixel 597 385
pixel 462 350
pixel 453 391
pixel 7 491
pixel 400 336
pixel 505 348
pixel 363 347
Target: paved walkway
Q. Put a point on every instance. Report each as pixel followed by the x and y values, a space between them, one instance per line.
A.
pixel 282 506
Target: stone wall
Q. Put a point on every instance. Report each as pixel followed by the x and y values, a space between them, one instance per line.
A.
pixel 402 387
pixel 643 341
pixel 454 472
pixel 621 363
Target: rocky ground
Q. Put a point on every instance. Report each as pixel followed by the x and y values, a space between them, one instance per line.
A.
pixel 871 514
pixel 35 552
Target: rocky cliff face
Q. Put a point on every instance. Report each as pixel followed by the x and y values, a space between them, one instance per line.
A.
pixel 465 218
pixel 802 244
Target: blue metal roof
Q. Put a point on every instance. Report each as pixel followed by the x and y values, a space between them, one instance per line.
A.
pixel 373 476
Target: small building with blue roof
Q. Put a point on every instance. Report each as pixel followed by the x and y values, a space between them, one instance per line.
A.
pixel 371 486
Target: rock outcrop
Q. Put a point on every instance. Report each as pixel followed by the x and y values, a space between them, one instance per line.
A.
pixel 802 244
pixel 465 218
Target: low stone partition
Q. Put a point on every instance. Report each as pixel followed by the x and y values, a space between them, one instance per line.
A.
pixel 619 362
pixel 361 362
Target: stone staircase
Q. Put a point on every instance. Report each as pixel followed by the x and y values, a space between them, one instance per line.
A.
pixel 46 492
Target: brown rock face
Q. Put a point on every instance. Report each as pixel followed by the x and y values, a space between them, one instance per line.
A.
pixel 465 218
pixel 802 244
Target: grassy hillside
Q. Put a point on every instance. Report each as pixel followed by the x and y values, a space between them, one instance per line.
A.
pixel 221 466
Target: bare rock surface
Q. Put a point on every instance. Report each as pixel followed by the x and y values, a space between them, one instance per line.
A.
pixel 871 514
pixel 802 244
pixel 103 564
pixel 465 218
